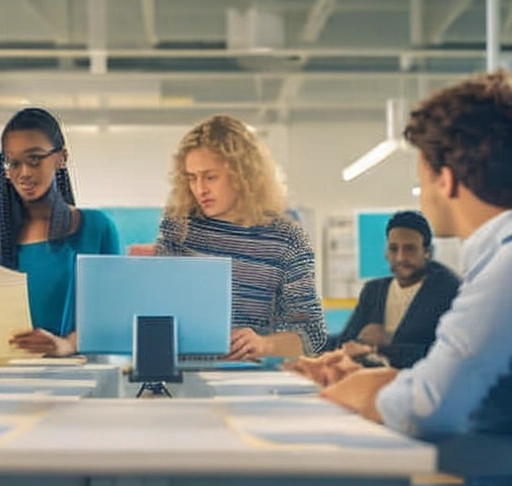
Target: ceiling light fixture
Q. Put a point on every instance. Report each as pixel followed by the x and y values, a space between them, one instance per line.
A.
pixel 395 117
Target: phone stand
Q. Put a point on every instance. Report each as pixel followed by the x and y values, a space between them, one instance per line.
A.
pixel 154 354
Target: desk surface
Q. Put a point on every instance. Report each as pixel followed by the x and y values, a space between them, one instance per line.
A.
pixel 89 380
pixel 251 426
pixel 271 435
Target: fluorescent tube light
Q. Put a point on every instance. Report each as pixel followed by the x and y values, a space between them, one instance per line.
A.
pixel 375 156
pixel 395 117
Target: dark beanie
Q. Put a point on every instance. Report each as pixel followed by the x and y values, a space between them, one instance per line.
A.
pixel 413 220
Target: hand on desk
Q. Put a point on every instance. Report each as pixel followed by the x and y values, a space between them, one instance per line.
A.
pixel 358 391
pixel 326 369
pixel 40 341
pixel 246 345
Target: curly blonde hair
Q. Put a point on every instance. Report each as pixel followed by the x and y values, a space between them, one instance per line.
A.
pixel 253 172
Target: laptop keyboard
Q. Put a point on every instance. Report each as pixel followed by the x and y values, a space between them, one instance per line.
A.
pixel 200 358
pixel 195 362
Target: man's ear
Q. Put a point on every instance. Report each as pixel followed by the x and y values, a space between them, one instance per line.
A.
pixel 448 182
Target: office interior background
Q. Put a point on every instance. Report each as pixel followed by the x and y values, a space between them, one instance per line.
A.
pixel 314 77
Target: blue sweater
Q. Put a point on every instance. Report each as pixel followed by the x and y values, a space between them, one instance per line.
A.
pixel 273 273
pixel 50 269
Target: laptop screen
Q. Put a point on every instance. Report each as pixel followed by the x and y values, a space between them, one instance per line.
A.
pixel 112 289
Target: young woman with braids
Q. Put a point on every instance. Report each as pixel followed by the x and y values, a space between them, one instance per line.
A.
pixel 41 229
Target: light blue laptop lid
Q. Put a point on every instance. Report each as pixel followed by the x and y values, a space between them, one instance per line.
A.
pixel 111 289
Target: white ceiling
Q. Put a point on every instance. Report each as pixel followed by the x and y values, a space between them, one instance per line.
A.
pixel 170 61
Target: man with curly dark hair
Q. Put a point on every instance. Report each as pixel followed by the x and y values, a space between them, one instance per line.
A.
pixel 464 137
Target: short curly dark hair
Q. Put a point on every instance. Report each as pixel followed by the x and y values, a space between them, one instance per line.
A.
pixel 413 220
pixel 468 127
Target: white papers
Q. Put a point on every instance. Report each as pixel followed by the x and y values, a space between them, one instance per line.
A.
pixel 15 311
pixel 75 361
pixel 253 383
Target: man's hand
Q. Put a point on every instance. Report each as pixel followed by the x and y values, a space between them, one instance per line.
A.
pixel 335 371
pixel 374 335
pixel 358 391
pixel 40 341
pixel 353 348
pixel 326 369
pixel 311 368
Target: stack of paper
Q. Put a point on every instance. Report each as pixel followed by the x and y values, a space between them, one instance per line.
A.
pixel 15 311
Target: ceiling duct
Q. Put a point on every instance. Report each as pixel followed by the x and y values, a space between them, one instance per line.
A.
pixel 257 32
pixel 254 28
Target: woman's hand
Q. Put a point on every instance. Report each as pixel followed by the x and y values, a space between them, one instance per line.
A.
pixel 247 345
pixel 40 341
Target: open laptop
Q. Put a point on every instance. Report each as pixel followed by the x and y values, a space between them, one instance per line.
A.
pixel 196 291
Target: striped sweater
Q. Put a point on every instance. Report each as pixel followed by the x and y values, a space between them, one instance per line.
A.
pixel 273 273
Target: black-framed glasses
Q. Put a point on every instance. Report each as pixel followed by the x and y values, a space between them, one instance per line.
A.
pixel 32 161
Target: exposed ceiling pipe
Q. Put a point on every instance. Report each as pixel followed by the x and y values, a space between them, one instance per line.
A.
pixel 97 35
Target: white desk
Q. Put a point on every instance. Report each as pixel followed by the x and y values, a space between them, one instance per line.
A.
pixel 226 440
pixel 209 384
pixel 45 386
pixel 88 380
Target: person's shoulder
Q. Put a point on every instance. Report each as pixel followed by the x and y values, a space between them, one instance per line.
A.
pixel 289 232
pixel 98 233
pixel 174 225
pixel 95 217
pixel 439 271
pixel 375 283
pixel 286 226
pixel 169 221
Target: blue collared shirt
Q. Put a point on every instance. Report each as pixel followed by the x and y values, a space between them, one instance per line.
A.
pixel 446 391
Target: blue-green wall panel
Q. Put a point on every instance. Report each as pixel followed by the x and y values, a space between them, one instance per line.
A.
pixel 140 225
pixel 371 234
pixel 135 225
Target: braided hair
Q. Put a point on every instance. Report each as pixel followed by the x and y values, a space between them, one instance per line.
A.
pixel 60 194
